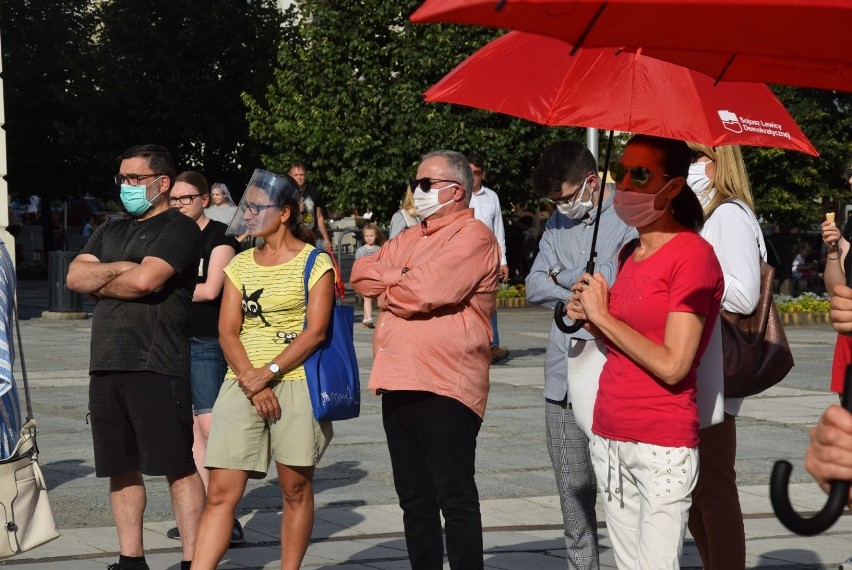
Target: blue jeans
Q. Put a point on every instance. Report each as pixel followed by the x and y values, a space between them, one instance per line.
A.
pixel 207 372
pixel 432 444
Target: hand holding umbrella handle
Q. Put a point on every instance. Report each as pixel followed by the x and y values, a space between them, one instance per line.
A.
pixel 837 497
pixel 559 308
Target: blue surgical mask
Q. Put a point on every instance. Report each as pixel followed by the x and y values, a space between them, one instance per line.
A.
pixel 135 198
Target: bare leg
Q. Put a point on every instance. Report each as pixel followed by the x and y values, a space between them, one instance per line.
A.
pixel 128 500
pixel 214 533
pixel 201 431
pixel 368 309
pixel 188 502
pixel 298 490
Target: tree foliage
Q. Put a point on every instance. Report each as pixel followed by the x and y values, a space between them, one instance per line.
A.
pixel 174 71
pixel 347 100
pixel 85 79
pixel 792 189
pixel 47 81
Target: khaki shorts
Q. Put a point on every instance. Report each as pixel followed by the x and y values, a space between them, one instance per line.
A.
pixel 241 439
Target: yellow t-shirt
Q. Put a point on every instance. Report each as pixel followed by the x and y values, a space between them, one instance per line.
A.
pixel 273 304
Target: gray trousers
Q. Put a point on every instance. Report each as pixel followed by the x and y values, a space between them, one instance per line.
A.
pixel 568 447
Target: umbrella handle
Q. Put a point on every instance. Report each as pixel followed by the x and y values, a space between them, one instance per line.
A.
pixel 837 497
pixel 558 312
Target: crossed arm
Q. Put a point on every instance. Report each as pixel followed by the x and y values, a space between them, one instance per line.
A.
pixel 119 279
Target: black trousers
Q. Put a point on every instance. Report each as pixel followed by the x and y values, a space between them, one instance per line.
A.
pixel 432 444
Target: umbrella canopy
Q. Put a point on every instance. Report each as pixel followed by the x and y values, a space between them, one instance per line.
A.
pixel 775 32
pixel 534 77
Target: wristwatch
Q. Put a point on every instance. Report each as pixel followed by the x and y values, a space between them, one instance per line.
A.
pixel 274 368
pixel 554 271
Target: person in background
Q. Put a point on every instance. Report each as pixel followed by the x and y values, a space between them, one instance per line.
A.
pixel 830 438
pixel 837 267
pixel 486 208
pixel 142 272
pixel 405 217
pixel 10 407
pixel 567 176
pixel 373 240
pixel 190 195
pixel 267 329
pixel 313 208
pixel 802 268
pixel 436 286
pixel 657 320
pixel 88 227
pixel 719 179
pixel 221 207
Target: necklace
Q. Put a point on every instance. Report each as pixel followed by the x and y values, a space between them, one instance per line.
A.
pixel 646 251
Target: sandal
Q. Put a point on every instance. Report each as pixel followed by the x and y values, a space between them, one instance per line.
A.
pixel 368 324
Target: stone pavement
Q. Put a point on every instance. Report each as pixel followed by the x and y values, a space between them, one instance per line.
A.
pixel 358 523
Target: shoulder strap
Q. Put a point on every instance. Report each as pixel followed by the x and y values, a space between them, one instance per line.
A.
pixel 626 251
pixel 309 266
pixel 22 361
pixel 740 206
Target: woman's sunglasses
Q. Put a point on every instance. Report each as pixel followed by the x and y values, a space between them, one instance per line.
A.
pixel 425 184
pixel 639 175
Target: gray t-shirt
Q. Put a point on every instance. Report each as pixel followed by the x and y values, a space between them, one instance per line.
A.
pixel 150 333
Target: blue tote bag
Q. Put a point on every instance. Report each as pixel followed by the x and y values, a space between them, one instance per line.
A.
pixel 332 370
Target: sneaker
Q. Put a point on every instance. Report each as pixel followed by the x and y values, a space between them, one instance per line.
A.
pixel 499 353
pixel 237 536
pixel 368 324
pixel 172 533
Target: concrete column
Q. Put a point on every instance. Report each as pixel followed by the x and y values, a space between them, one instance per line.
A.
pixel 4 189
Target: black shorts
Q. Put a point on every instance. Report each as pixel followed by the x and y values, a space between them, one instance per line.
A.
pixel 141 421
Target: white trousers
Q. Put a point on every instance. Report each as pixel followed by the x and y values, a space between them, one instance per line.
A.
pixel 646 491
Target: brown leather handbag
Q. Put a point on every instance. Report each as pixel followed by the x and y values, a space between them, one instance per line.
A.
pixel 755 350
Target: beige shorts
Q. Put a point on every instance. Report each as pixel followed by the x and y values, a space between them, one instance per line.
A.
pixel 241 439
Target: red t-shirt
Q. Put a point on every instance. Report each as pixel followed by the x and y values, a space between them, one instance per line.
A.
pixel 632 404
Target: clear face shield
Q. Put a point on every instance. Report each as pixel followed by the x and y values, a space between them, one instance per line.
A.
pixel 260 207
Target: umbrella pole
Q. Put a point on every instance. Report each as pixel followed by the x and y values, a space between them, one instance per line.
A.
pixel 559 308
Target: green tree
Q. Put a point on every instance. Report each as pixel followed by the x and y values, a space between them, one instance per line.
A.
pixel 47 85
pixel 793 190
pixel 173 72
pixel 347 100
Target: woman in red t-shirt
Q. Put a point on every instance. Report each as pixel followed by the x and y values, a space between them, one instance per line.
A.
pixel 656 321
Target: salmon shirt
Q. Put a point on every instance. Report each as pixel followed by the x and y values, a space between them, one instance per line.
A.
pixel 439 281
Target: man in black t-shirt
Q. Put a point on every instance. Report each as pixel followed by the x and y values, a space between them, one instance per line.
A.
pixel 313 211
pixel 142 271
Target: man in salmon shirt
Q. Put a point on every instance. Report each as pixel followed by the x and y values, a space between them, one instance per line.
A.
pixel 435 286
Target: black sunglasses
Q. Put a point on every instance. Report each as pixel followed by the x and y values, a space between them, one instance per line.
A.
pixel 639 175
pixel 425 184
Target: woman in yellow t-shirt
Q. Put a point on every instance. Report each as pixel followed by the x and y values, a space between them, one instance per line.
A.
pixel 263 410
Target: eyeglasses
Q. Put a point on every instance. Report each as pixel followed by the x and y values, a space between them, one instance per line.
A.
pixel 639 175
pixel 425 184
pixel 255 209
pixel 133 179
pixel 185 200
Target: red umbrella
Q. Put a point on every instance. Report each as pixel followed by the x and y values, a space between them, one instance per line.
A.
pixel 794 42
pixel 534 77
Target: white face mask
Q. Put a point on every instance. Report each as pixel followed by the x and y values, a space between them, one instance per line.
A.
pixel 700 183
pixel 426 203
pixel 636 208
pixel 576 209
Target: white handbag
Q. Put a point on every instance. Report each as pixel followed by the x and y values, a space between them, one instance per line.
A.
pixel 25 513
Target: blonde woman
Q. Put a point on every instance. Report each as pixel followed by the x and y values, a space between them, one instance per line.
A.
pixel 405 217
pixel 718 177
